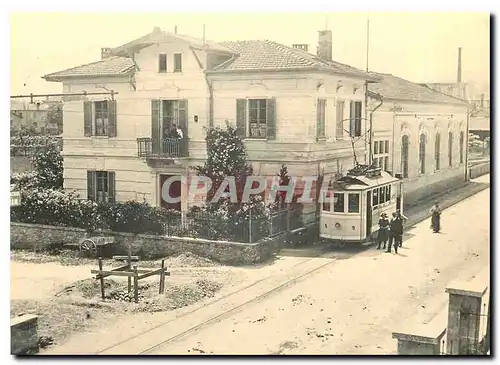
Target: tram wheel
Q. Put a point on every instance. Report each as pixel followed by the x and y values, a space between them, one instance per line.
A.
pixel 341 244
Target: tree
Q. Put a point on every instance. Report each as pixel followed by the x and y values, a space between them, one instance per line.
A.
pixel 223 219
pixel 48 164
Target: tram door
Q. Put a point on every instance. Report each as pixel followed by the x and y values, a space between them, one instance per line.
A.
pixel 368 214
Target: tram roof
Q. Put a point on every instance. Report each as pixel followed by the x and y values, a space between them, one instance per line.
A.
pixel 364 182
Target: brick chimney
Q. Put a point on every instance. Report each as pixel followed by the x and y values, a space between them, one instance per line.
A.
pixel 303 47
pixel 459 70
pixel 105 53
pixel 325 45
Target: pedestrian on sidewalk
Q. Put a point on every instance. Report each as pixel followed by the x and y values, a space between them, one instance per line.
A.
pixel 396 225
pixel 404 219
pixel 435 217
pixel 383 230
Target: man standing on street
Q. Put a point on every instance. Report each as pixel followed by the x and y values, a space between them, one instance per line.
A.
pixel 396 232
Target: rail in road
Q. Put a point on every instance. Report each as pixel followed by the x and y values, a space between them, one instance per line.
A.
pixel 146 342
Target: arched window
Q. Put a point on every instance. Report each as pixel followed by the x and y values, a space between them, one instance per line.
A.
pixel 421 153
pixel 437 149
pixel 405 148
pixel 450 149
pixel 461 147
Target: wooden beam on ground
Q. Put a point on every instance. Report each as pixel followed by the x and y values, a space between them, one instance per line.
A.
pixel 112 273
pixel 123 258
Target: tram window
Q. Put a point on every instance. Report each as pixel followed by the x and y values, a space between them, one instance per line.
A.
pixel 353 203
pixel 382 195
pixel 338 202
pixel 326 206
pixel 375 148
pixel 375 197
pixel 388 193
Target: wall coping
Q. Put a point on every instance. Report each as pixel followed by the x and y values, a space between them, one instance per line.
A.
pixel 22 320
pixel 476 287
pixel 430 333
pixel 148 236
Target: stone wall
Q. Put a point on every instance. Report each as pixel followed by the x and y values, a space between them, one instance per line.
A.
pixel 424 187
pixel 479 170
pixel 24 335
pixel 39 237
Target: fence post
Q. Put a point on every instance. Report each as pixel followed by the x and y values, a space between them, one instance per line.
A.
pixel 250 227
pixel 136 285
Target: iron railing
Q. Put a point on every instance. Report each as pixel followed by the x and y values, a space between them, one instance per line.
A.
pixel 162 148
pixel 246 230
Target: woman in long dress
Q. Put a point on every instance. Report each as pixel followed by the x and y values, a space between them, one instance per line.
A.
pixel 436 218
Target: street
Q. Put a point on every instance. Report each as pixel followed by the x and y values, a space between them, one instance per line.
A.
pixel 352 306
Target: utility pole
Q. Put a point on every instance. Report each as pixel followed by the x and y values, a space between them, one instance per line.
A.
pixel 370 125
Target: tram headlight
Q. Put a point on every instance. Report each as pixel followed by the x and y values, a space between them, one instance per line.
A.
pixel 337 225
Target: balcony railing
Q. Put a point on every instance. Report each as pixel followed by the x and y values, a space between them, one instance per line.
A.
pixel 164 148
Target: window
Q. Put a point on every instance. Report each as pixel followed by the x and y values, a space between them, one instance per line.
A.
pixel 382 195
pixel 381 154
pixel 255 118
pixel 326 205
pixel 338 202
pixel 462 147
pixel 405 147
pixel 355 119
pixel 101 186
pixel 162 63
pixel 99 118
pixel 437 150
pixel 178 62
pixel 320 118
pixel 388 193
pixel 340 119
pixel 421 153
pixel 450 149
pixel 375 197
pixel 353 203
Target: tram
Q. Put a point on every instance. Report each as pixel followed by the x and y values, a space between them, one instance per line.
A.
pixel 352 206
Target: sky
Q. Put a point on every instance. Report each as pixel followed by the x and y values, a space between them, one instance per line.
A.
pixel 421 47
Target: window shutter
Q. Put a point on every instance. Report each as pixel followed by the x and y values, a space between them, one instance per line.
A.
pixel 271 118
pixel 358 112
pixel 111 187
pixel 112 118
pixel 340 116
pixel 155 126
pixel 87 118
pixel 91 185
pixel 183 117
pixel 320 118
pixel 352 121
pixel 241 117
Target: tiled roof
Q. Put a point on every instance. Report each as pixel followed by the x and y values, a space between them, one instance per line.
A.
pixel 392 87
pixel 265 54
pixel 113 66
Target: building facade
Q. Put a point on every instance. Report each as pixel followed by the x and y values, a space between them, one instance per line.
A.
pixel 419 133
pixel 291 107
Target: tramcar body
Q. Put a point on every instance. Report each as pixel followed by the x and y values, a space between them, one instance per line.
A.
pixel 352 206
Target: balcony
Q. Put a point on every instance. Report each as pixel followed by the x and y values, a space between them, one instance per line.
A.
pixel 164 149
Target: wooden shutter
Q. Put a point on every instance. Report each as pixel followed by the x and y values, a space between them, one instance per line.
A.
pixel 358 111
pixel 87 118
pixel 111 187
pixel 271 118
pixel 320 118
pixel 91 185
pixel 241 117
pixel 339 125
pixel 155 126
pixel 352 121
pixel 183 117
pixel 112 118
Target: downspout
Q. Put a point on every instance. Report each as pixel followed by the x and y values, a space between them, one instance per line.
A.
pixel 393 140
pixel 370 153
pixel 210 101
pixel 466 147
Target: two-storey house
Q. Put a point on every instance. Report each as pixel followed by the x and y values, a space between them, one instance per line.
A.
pixel 290 106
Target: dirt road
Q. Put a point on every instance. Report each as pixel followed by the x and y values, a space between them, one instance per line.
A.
pixel 352 306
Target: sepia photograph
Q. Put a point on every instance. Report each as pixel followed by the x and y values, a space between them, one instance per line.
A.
pixel 250 183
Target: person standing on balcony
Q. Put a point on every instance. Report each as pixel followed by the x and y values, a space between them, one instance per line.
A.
pixel 180 135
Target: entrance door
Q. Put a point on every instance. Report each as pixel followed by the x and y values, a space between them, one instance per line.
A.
pixel 368 214
pixel 174 191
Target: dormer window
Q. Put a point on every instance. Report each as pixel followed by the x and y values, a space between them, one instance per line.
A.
pixel 178 62
pixel 162 63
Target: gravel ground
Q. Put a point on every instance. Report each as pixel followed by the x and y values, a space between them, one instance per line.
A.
pixel 65 309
